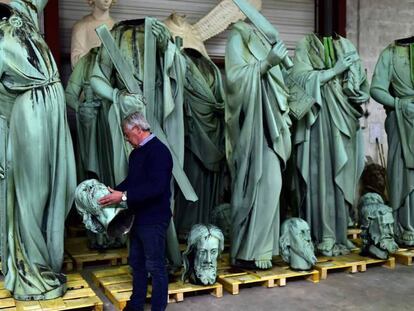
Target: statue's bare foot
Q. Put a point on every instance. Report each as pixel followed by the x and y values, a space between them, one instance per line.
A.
pixel 263 264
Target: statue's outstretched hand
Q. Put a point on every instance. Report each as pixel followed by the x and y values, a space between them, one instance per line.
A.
pixel 162 34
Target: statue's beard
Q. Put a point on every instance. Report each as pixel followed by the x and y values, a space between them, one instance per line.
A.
pixel 306 252
pixel 206 276
pixel 387 243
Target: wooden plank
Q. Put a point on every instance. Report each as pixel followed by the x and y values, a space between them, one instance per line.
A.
pixel 80 253
pixel 277 276
pixel 354 233
pixel 404 256
pixel 52 305
pixel 79 295
pixel 27 305
pixel 7 303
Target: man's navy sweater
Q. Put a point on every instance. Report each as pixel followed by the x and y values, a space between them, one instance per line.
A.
pixel 148 183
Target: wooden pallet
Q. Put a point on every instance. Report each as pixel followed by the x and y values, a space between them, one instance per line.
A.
pixel 404 256
pixel 354 234
pixel 78 296
pixel 117 286
pixel 233 278
pixel 352 263
pixel 78 250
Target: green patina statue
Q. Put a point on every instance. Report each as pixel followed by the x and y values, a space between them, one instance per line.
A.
pixel 204 158
pixel 258 142
pixel 377 225
pixel 113 221
pixel 296 247
pixel 328 152
pixel 41 174
pixel 95 158
pixel 204 245
pixel 132 40
pixel 94 137
pixel 393 87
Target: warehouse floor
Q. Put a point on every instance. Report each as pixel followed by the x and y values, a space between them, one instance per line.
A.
pixel 376 289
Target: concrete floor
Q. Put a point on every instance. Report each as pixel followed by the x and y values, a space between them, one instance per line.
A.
pixel 376 289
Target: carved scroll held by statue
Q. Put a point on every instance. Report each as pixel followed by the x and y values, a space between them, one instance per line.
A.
pixel 41 176
pixel 84 37
pixel 204 245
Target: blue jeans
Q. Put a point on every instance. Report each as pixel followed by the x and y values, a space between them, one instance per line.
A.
pixel 147 255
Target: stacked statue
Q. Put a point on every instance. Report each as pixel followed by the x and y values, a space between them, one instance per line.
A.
pixel 377 225
pixel 40 175
pixel 392 86
pixel 328 150
pixel 296 247
pixel 204 245
pixel 204 160
pixel 258 146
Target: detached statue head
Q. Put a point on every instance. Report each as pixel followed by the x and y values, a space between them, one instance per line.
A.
pixel 204 245
pixel 296 245
pixel 377 225
pixel 113 220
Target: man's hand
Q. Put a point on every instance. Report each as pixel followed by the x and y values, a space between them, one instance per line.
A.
pixel 115 197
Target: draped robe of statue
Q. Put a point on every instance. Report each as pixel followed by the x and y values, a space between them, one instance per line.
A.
pixel 204 159
pixel 393 84
pixel 328 145
pixel 41 174
pixel 168 109
pixel 258 145
pixel 94 138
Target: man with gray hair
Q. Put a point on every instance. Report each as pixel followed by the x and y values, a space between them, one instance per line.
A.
pixel 146 191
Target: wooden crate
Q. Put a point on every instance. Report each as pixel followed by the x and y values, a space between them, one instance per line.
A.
pixel 354 233
pixel 78 296
pixel 78 250
pixel 233 278
pixel 117 286
pixel 404 256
